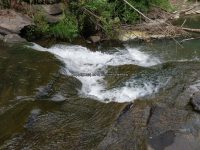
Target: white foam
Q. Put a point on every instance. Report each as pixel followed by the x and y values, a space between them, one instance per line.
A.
pixel 81 61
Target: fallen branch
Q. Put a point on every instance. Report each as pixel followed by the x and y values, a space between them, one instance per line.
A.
pixel 138 11
pixel 186 10
pixel 192 30
pixel 151 20
pixel 183 23
pixel 189 39
pixel 97 17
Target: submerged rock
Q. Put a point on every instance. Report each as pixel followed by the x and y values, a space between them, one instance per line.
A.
pixel 155 127
pixel 128 132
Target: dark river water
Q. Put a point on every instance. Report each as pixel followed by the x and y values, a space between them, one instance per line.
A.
pixel 68 96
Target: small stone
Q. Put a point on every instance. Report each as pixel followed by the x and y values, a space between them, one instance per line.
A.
pixel 95 39
pixel 88 41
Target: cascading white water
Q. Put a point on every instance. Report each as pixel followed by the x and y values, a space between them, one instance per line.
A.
pixel 84 64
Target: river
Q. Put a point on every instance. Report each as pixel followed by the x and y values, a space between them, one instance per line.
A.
pixel 68 96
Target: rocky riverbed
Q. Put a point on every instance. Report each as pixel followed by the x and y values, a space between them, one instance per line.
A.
pixel 117 95
pixel 150 101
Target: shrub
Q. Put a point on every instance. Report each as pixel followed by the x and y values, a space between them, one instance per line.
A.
pixel 164 4
pixel 41 23
pixel 5 4
pixel 65 29
pixel 92 15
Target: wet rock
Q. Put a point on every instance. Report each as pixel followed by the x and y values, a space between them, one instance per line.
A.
pixel 171 128
pixel 59 89
pixel 13 38
pixel 184 142
pixel 161 141
pixel 119 74
pixel 195 101
pixel 1 37
pixel 184 97
pixel 164 119
pixel 129 129
pixel 13 22
pixel 156 127
pixel 95 39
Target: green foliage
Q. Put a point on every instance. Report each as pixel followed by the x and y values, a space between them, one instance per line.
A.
pixel 126 13
pixel 66 28
pixel 108 14
pixel 164 4
pixel 41 22
pixel 96 13
pixel 5 3
pixel 99 15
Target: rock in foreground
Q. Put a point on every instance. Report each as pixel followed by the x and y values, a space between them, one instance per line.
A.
pixel 13 22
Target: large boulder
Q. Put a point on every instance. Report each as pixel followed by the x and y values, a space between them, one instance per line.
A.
pixel 50 9
pixel 13 22
pixel 53 13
